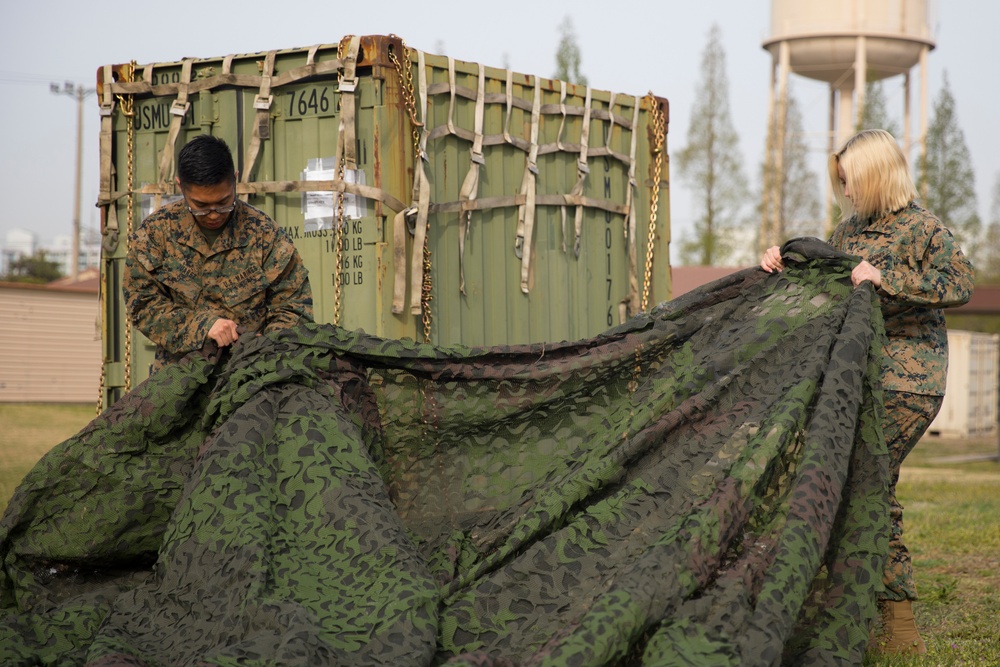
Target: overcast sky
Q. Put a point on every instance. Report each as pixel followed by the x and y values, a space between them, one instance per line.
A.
pixel 628 48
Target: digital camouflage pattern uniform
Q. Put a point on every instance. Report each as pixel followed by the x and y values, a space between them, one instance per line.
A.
pixel 177 285
pixel 922 271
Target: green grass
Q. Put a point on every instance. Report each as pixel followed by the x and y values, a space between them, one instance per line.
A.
pixel 952 515
pixel 30 430
pixel 952 528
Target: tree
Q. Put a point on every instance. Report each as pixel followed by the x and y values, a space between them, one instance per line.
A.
pixel 35 268
pixel 875 114
pixel 988 268
pixel 798 209
pixel 712 165
pixel 568 58
pixel 947 182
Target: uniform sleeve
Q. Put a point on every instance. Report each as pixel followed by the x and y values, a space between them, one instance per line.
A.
pixel 151 308
pixel 939 276
pixel 289 295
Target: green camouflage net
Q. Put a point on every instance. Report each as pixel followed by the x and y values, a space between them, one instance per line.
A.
pixel 704 485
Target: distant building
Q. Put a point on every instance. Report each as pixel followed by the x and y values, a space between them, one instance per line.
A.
pixel 22 243
pixel 16 243
pixel 61 251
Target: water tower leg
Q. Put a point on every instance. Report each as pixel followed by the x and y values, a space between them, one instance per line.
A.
pixel 845 114
pixel 771 225
pixel 907 133
pixel 831 141
pixel 923 110
pixel 860 79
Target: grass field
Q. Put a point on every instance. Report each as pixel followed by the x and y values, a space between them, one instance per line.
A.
pixel 27 431
pixel 952 523
pixel 952 514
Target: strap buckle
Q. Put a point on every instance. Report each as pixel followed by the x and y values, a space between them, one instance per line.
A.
pixel 262 103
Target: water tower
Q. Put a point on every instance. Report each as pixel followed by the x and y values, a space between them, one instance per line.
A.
pixel 846 43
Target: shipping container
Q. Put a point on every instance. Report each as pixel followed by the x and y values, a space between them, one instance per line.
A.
pixel 430 198
pixel 970 401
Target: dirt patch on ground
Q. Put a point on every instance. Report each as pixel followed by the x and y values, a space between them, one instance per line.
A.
pixel 946 474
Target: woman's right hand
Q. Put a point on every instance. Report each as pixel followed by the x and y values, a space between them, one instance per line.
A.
pixel 771 261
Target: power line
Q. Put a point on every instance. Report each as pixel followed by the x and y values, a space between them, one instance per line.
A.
pixel 28 78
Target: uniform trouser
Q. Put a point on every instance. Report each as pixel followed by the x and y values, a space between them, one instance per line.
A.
pixel 907 417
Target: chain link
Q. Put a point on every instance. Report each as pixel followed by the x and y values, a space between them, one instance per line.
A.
pixel 658 123
pixel 428 410
pixel 426 288
pixel 339 219
pixel 128 225
pixel 128 111
pixel 409 101
pixel 338 276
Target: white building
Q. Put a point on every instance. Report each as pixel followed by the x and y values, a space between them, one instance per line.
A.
pixel 61 250
pixel 16 243
pixel 22 243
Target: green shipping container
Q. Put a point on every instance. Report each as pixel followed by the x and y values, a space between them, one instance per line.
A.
pixel 430 198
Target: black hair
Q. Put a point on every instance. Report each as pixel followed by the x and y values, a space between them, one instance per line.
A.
pixel 205 160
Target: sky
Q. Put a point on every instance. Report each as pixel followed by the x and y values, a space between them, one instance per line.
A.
pixel 630 48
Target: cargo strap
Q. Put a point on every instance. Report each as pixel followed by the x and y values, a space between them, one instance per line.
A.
pixel 346 144
pixel 311 55
pixel 421 195
pixel 560 147
pixel 399 259
pixel 225 78
pixel 527 199
pixel 178 111
pixel 268 187
pixel 262 124
pixel 630 221
pixel 264 83
pixel 582 169
pixel 110 232
pixel 470 188
pixel 509 98
pixel 417 212
pixel 526 211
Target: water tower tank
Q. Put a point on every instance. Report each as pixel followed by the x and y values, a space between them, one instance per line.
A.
pixel 846 43
pixel 822 37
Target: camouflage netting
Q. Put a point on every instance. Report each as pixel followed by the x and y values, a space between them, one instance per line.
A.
pixel 704 485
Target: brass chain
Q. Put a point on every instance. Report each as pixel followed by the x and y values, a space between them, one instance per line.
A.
pixel 428 411
pixel 658 123
pixel 409 101
pixel 338 276
pixel 128 111
pixel 128 225
pixel 426 288
pixel 339 219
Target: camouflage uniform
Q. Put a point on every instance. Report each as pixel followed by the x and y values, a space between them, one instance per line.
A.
pixel 922 271
pixel 177 286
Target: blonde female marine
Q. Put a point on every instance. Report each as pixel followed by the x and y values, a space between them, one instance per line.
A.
pixel 917 268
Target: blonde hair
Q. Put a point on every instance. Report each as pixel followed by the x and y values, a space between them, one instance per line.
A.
pixel 877 176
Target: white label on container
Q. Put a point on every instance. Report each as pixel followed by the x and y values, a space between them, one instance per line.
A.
pixel 318 208
pixel 146 203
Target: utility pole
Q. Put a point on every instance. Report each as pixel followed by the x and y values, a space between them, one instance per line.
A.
pixel 80 93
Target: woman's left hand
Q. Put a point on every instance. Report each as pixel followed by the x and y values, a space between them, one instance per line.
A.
pixel 865 271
